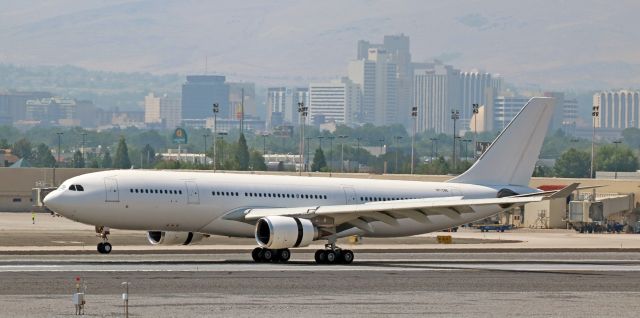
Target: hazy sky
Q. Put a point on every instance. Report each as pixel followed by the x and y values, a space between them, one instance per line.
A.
pixel 552 44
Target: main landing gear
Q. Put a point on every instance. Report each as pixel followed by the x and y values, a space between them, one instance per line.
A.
pixel 333 255
pixel 104 247
pixel 264 255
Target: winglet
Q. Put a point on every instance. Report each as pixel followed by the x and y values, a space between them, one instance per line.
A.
pixel 564 192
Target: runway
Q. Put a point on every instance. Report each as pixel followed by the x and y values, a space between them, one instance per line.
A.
pixel 377 284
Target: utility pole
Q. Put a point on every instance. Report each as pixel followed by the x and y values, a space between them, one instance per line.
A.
pixel 302 111
pixel 414 115
pixel 476 111
pixel 595 113
pixel 455 115
pixel 216 109
pixel 358 154
pixel 342 152
pixel 307 164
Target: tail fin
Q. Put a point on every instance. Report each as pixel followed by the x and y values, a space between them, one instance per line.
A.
pixel 512 156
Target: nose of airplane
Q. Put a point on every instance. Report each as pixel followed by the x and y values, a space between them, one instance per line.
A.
pixel 52 201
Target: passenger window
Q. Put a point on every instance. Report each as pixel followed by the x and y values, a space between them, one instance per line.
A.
pixel 180 191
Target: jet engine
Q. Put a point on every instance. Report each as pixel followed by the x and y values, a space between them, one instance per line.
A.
pixel 173 238
pixel 276 232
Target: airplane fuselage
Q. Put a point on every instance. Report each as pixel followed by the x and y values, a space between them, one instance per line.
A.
pixel 198 201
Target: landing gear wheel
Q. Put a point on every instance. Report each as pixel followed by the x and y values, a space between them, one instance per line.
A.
pixel 284 255
pixel 347 257
pixel 267 255
pixel 331 257
pixel 107 248
pixel 256 254
pixel 101 248
pixel 320 256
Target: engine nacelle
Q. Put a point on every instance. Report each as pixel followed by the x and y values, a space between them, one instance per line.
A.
pixel 173 238
pixel 277 232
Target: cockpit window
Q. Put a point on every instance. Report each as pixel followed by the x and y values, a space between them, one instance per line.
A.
pixel 72 187
pixel 79 187
pixel 76 187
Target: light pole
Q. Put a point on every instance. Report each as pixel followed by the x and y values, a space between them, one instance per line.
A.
pixel 302 111
pixel 455 115
pixel 306 160
pixel 476 111
pixel 204 160
pixel 396 138
pixel 320 141
pixel 264 143
pixel 594 114
pixel 434 145
pixel 414 115
pixel 330 154
pixel 358 154
pixel 342 152
pixel 216 109
pixel 59 143
pixel 84 135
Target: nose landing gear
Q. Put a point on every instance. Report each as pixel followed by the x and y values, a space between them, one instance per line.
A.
pixel 104 247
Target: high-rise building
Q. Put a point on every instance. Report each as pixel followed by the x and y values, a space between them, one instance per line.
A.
pixel 276 106
pixel 378 82
pixel 200 92
pixel 238 91
pixel 162 110
pixel 618 109
pixel 13 105
pixel 505 108
pixel 333 102
pixel 477 88
pixel 436 94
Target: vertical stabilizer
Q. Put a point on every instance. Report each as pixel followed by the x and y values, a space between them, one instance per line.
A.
pixel 512 156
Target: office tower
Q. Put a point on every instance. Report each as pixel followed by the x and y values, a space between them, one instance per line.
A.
pixel 200 92
pixel 333 102
pixel 436 94
pixel 477 88
pixel 618 109
pixel 504 109
pixel 13 105
pixel 276 106
pixel 236 93
pixel 163 110
pixel 377 78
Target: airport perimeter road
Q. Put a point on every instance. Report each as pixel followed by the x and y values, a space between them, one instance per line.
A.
pixel 382 285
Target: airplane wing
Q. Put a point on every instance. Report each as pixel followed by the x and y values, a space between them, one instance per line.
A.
pixel 360 215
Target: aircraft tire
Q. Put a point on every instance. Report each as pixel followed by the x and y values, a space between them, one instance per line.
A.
pixel 320 256
pixel 256 254
pixel 101 248
pixel 284 255
pixel 107 247
pixel 347 257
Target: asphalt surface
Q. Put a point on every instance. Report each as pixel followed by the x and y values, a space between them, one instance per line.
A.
pixel 375 285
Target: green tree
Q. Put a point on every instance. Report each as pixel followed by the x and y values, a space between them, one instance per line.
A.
pixel 615 158
pixel 573 163
pixel 106 160
pixel 631 137
pixel 319 162
pixel 78 159
pixel 43 156
pixel 22 148
pixel 438 166
pixel 257 161
pixel 121 160
pixel 242 153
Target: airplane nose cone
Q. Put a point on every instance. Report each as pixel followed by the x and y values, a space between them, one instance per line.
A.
pixel 52 201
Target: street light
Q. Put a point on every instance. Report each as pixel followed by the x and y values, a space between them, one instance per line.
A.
pixel 84 135
pixel 358 154
pixel 320 141
pixel 342 152
pixel 396 138
pixel 476 111
pixel 59 142
pixel 306 160
pixel 434 145
pixel 455 115
pixel 264 143
pixel 414 115
pixel 595 113
pixel 330 153
pixel 216 109
pixel 302 111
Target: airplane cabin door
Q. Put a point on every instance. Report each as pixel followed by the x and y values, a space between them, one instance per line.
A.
pixel 350 195
pixel 192 193
pixel 111 189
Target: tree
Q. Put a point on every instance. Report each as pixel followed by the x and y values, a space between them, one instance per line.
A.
pixel 121 160
pixel 4 144
pixel 319 162
pixel 242 153
pixel 43 156
pixel 257 161
pixel 573 163
pixel 616 158
pixel 106 160
pixel 22 148
pixel 631 137
pixel 78 159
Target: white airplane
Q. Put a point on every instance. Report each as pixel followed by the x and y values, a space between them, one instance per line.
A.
pixel 284 212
